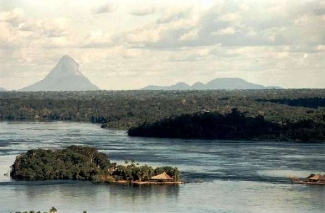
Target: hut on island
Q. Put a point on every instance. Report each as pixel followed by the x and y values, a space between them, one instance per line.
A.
pixel 316 178
pixel 311 179
pixel 163 177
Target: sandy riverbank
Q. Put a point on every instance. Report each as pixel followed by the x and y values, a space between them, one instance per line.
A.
pixel 125 182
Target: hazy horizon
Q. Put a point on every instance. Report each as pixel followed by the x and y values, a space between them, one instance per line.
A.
pixel 132 44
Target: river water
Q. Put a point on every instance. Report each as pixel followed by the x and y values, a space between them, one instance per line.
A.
pixel 227 176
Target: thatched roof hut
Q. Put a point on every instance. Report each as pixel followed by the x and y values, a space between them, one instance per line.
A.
pixel 162 176
pixel 316 178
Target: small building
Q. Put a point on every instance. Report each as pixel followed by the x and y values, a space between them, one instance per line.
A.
pixel 316 178
pixel 163 177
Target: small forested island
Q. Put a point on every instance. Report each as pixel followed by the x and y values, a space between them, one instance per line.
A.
pixel 52 210
pixel 86 163
pixel 234 125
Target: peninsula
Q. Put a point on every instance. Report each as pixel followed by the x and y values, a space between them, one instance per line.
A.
pixel 234 125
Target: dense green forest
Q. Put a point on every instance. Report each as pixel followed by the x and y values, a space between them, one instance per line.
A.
pixel 125 109
pixel 80 163
pixel 74 162
pixel 232 126
pixel 304 102
pixel 52 210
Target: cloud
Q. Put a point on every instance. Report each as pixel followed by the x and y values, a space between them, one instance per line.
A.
pixel 172 28
pixel 196 54
pixel 248 39
pixel 14 17
pixel 225 31
pixel 230 17
pixel 233 24
pixel 53 28
pixel 175 14
pixel 6 35
pixel 144 11
pixel 190 36
pixel 106 8
pixel 97 39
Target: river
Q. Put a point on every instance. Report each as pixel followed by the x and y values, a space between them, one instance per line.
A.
pixel 227 176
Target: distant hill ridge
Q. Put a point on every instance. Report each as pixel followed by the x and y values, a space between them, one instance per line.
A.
pixel 218 83
pixel 65 76
pixel 2 89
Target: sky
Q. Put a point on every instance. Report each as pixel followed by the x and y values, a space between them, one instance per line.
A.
pixel 129 44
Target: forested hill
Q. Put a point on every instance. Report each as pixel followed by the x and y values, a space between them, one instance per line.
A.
pixel 231 126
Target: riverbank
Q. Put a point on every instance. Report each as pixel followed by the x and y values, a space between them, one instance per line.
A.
pixel 125 182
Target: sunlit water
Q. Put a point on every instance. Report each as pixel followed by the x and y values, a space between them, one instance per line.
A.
pixel 229 176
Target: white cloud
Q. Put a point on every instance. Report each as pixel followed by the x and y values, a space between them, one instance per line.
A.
pixel 143 11
pixel 97 39
pixel 230 17
pixel 106 8
pixel 177 41
pixel 7 33
pixel 191 35
pixel 14 17
pixel 225 31
pixel 174 14
pixel 144 35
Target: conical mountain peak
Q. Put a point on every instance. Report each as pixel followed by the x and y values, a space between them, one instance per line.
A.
pixel 65 76
pixel 66 66
pixel 67 60
pixel 66 57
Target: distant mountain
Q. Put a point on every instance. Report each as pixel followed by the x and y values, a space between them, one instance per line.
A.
pixel 65 76
pixel 198 86
pixel 218 83
pixel 178 86
pixel 231 84
pixel 2 89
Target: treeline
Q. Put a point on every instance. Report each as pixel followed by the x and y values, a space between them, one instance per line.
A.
pixel 125 109
pixel 314 102
pixel 52 210
pixel 231 126
pixel 72 163
pixel 80 163
pixel 134 172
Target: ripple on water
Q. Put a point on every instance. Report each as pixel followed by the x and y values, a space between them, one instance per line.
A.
pixel 237 176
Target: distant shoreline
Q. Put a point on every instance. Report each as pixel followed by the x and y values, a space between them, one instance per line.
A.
pixel 234 125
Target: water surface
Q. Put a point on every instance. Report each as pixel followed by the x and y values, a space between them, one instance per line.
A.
pixel 233 176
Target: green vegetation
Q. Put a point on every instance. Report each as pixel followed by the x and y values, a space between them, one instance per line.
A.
pixel 52 210
pixel 294 114
pixel 80 163
pixel 132 172
pixel 125 109
pixel 74 162
pixel 304 102
pixel 234 126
